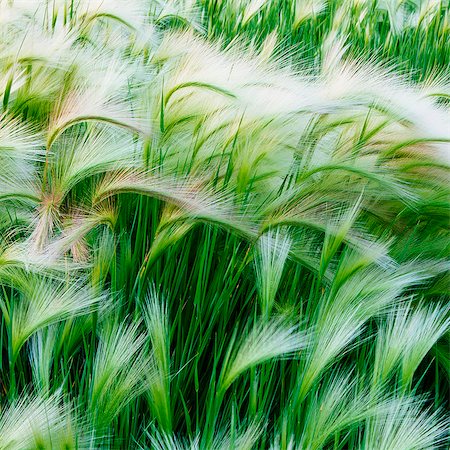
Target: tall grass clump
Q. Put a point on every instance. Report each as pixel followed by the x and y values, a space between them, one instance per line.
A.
pixel 224 224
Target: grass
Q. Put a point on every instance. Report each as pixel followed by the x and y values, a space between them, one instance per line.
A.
pixel 224 225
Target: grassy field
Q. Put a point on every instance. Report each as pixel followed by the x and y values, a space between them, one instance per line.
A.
pixel 224 224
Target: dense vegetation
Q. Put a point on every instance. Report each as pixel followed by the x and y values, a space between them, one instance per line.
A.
pixel 224 224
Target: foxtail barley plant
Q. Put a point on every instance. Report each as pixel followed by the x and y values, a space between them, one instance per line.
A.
pixel 224 224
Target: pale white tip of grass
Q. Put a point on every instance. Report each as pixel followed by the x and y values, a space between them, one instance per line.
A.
pixel 41 349
pixel 342 314
pixel 252 8
pixel 338 403
pixel 333 338
pixel 35 422
pixel 32 44
pixel 407 337
pixel 12 80
pixel 19 141
pixel 45 302
pixel 18 184
pixel 18 255
pixel 357 86
pixel 241 439
pixel 77 226
pixel 267 340
pixel 24 256
pixel 191 196
pixel 46 221
pixel 186 11
pixel 132 14
pixel 102 97
pixel 307 9
pixel 156 319
pixel 82 154
pixel 272 252
pixel 281 443
pixel 427 12
pixel 269 46
pixel 121 367
pixel 406 425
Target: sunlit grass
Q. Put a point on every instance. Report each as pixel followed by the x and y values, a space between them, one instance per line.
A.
pixel 224 224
